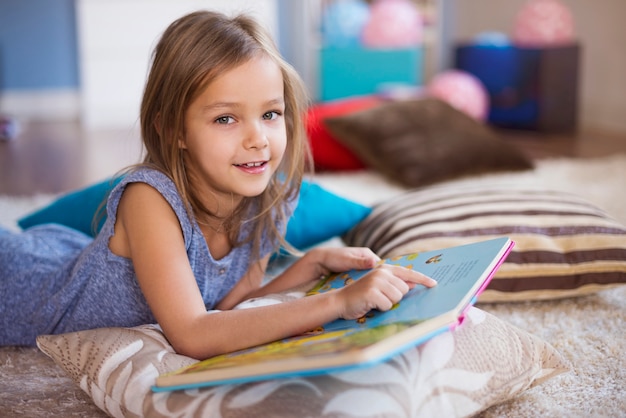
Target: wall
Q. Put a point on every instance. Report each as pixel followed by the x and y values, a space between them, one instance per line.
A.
pixel 116 38
pixel 38 67
pixel 87 59
pixel 39 73
pixel 601 30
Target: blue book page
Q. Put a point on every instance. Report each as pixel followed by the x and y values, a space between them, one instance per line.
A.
pixel 457 271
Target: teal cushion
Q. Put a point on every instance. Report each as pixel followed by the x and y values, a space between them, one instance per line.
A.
pixel 319 216
pixel 75 210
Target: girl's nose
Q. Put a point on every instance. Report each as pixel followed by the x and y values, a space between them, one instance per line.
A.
pixel 256 137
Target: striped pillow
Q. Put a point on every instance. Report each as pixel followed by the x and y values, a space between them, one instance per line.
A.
pixel 565 246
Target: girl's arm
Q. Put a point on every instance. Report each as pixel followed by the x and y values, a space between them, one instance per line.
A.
pixel 304 273
pixel 147 230
pixel 319 262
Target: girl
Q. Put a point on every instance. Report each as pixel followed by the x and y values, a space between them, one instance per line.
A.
pixel 191 229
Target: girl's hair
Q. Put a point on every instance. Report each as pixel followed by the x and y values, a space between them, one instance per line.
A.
pixel 191 53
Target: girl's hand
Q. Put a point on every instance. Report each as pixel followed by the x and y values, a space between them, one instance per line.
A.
pixel 331 260
pixel 379 289
pixel 321 261
pixel 318 262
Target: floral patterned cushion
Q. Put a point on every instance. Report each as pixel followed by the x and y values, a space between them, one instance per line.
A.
pixel 483 362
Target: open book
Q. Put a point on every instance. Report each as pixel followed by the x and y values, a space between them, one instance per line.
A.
pixel 461 272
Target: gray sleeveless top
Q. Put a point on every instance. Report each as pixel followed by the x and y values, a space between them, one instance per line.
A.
pixel 92 287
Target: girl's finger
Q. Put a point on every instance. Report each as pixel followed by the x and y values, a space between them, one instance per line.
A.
pixel 411 276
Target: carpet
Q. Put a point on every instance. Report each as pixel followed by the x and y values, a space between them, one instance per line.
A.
pixel 588 331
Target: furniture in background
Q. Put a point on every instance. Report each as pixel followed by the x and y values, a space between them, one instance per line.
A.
pixel 336 70
pixel 356 71
pixel 369 47
pixel 529 88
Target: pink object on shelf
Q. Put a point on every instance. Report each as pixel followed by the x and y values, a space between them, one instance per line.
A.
pixel 542 23
pixel 393 24
pixel 461 90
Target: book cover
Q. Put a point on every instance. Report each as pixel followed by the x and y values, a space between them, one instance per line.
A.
pixel 461 272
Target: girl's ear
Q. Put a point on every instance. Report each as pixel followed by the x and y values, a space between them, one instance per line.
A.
pixel 157 123
pixel 157 126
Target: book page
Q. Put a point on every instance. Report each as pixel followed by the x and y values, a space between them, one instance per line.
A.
pixel 457 271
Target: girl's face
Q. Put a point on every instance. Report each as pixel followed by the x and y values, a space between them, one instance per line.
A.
pixel 235 131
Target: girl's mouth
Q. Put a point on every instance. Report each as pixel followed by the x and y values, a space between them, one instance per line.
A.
pixel 254 167
pixel 253 164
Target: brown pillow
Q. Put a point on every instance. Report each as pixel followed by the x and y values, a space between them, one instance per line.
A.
pixel 418 142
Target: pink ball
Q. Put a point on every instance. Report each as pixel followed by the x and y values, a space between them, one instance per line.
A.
pixel 462 91
pixel 543 23
pixel 393 24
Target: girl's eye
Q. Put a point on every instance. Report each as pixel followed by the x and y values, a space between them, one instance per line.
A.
pixel 224 120
pixel 271 115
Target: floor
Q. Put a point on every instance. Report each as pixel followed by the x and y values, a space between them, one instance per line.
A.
pixel 56 157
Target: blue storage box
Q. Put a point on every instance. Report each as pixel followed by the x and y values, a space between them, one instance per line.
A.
pixel 356 71
pixel 529 88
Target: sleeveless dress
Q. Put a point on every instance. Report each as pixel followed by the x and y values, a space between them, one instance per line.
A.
pixel 54 279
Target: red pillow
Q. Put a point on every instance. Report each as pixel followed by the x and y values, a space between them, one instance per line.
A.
pixel 328 153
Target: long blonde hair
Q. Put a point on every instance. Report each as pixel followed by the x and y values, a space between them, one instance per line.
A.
pixel 191 53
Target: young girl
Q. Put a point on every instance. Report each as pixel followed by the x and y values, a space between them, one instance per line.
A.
pixel 191 229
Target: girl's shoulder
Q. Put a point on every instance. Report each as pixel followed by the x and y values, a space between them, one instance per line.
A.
pixel 152 176
pixel 155 178
pixel 159 181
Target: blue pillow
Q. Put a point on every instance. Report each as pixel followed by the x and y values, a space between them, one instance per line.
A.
pixel 319 215
pixel 75 210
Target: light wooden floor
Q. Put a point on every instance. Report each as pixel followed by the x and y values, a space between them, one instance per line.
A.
pixel 55 157
pixel 58 157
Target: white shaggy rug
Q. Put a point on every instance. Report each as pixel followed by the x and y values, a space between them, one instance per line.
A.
pixel 588 331
pixel 600 180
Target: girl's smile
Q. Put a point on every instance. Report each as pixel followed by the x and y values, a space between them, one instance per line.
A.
pixel 257 167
